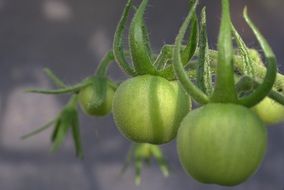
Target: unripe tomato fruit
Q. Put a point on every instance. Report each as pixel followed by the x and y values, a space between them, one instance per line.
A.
pixel 149 109
pixel 85 98
pixel 269 111
pixel 221 143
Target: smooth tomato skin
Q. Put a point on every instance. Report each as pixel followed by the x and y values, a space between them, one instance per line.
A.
pixel 221 143
pixel 149 109
pixel 269 111
pixel 85 97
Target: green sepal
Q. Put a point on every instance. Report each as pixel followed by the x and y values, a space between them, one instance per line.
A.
pixel 58 82
pixel 181 74
pixel 140 153
pixel 103 66
pixel 244 52
pixel 139 43
pixel 262 90
pixel 164 62
pixel 64 90
pixel 204 78
pixel 39 130
pixel 67 120
pixel 160 157
pixel 164 58
pixel 118 51
pixel 77 137
pixel 191 46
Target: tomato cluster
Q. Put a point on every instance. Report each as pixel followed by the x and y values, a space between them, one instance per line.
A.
pixel 223 140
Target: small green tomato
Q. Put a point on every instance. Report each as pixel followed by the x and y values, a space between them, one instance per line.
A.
pixel 221 143
pixel 149 109
pixel 269 111
pixel 86 96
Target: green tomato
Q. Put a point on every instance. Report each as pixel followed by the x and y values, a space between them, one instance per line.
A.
pixel 221 143
pixel 86 96
pixel 149 109
pixel 269 111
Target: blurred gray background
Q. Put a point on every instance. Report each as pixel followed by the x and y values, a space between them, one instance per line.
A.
pixel 70 37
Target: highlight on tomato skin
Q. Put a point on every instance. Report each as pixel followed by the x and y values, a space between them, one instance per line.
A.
pixel 221 143
pixel 269 111
pixel 85 98
pixel 148 109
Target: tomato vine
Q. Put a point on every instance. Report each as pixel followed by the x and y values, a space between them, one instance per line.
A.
pixel 223 140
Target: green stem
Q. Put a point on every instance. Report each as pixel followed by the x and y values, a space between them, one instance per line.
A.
pixel 225 88
pixel 195 92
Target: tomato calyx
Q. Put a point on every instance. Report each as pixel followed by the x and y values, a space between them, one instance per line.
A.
pixel 225 90
pixel 94 94
pixel 143 60
pixel 65 121
pixel 140 153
